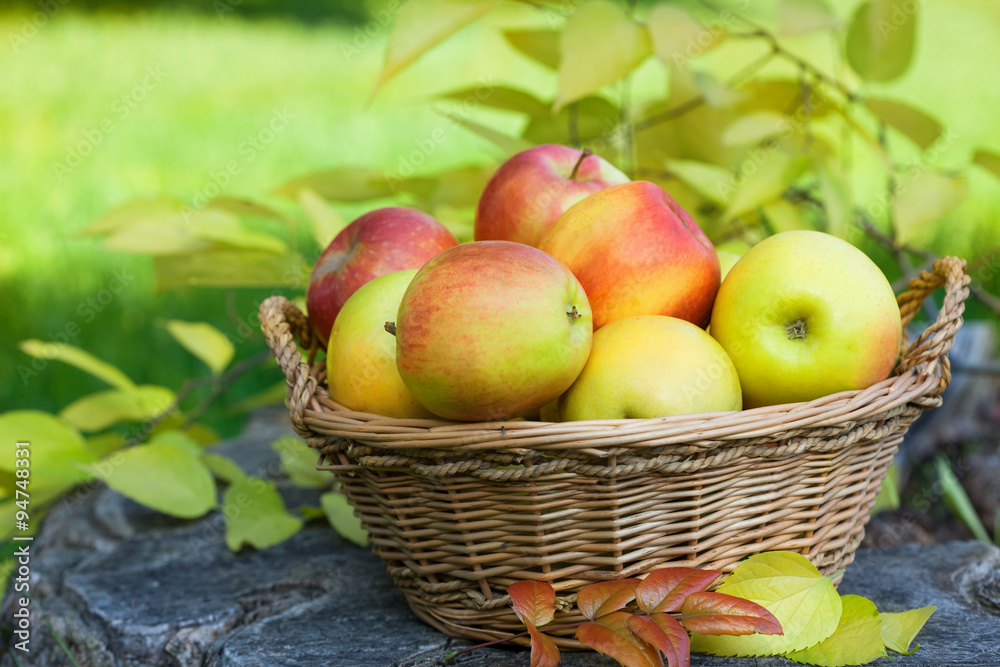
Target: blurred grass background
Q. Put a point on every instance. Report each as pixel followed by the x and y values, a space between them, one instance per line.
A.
pixel 224 75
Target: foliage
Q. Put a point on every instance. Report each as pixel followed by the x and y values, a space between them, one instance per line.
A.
pixel 718 621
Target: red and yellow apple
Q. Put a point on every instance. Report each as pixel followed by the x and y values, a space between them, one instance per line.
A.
pixel 491 330
pixel 529 192
pixel 380 242
pixel 805 314
pixel 637 252
pixel 361 355
pixel 652 366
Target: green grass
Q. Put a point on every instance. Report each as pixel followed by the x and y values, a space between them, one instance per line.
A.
pixel 222 80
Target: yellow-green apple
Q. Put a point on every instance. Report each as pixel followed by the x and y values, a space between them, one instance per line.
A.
pixel 805 314
pixel 491 330
pixel 652 366
pixel 361 356
pixel 637 252
pixel 379 242
pixel 529 192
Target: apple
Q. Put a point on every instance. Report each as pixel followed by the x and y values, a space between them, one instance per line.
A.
pixel 637 252
pixel 805 314
pixel 529 192
pixel 652 366
pixel 380 242
pixel 361 356
pixel 491 330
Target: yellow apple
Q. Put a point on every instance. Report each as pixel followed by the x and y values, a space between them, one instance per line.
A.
pixel 652 366
pixel 361 355
pixel 805 314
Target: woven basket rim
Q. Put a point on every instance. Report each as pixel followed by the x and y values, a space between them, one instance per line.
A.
pixel 921 375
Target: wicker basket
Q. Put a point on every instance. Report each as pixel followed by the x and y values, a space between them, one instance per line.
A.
pixel 459 511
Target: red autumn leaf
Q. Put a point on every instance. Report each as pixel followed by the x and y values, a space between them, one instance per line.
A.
pixel 613 637
pixel 721 614
pixel 544 652
pixel 666 634
pixel 666 589
pixel 534 601
pixel 596 600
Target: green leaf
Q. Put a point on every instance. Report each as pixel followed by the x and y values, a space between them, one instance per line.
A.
pixel 753 128
pixel 189 232
pixel 888 495
pixel 715 93
pixel 341 516
pixel 881 37
pixel 202 435
pixel 801 16
pixel 925 197
pixel 900 629
pixel 246 208
pixel 421 25
pixel 857 641
pixel 82 359
pixel 256 515
pixel 349 184
pixel 324 221
pixel 789 586
pixel 178 439
pixel 162 476
pixel 299 462
pixel 231 268
pixel 203 341
pixel 507 144
pixel 104 409
pixel 102 444
pixel 708 180
pixel 600 45
pixel 677 36
pixel 835 189
pixel 542 46
pixel 988 160
pixel 784 216
pixel 772 176
pixel 457 188
pixel 914 123
pixel 505 98
pixel 222 467
pixel 130 213
pixel 958 501
pixel 56 449
pixel 594 118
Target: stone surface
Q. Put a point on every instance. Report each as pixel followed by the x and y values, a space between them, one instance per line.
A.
pixel 122 585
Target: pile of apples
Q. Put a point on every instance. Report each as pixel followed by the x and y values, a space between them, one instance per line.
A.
pixel 586 296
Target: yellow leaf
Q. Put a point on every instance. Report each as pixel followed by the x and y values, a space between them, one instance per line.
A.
pixel 908 120
pixel 341 516
pixel 74 356
pixel 542 46
pixel 129 213
pixel 600 45
pixel 423 24
pixel 256 515
pixel 298 460
pixel 835 188
pixel 801 16
pixel 988 160
pixel 325 222
pixel 857 640
pixel 785 216
pixel 677 36
pixel 104 409
pixel 203 341
pixel 789 586
pixel 231 268
pixel 881 37
pixel 763 175
pixel 224 468
pixel 899 630
pixel 708 180
pixel 925 197
pixel 56 449
pixel 754 128
pixel 245 207
pixel 509 145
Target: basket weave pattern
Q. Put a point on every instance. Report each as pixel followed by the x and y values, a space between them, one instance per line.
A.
pixel 459 511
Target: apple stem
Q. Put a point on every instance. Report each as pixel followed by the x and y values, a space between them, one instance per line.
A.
pixel 573 313
pixel 391 327
pixel 796 329
pixel 584 154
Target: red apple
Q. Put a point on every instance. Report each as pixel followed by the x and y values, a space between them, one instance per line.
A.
pixel 380 242
pixel 491 330
pixel 529 192
pixel 637 252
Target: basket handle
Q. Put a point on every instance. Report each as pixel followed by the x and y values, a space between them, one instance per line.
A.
pixel 283 323
pixel 934 342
